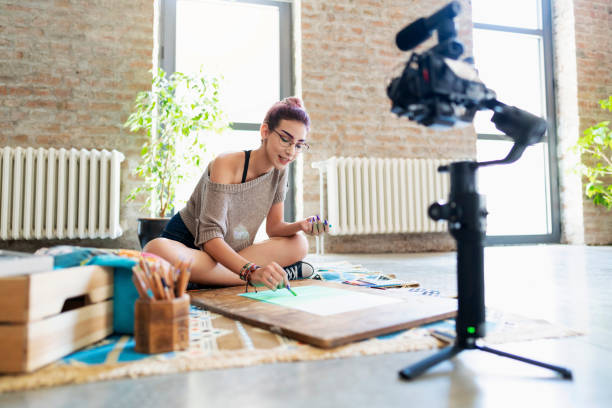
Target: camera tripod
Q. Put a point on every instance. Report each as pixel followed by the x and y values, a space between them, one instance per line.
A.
pixel 466 215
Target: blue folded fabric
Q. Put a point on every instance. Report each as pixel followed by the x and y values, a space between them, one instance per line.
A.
pixel 115 261
pixel 67 257
pixel 125 293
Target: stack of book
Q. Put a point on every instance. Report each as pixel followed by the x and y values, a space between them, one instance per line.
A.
pixel 14 263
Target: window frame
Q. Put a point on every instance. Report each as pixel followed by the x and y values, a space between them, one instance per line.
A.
pixel 545 33
pixel 167 58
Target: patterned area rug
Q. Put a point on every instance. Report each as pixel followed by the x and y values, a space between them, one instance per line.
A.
pixel 217 342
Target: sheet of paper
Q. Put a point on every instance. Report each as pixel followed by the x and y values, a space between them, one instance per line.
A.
pixel 320 300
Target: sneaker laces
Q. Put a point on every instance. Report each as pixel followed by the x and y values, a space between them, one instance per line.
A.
pixel 294 271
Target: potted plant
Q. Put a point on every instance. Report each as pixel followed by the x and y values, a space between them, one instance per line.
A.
pixel 596 143
pixel 173 115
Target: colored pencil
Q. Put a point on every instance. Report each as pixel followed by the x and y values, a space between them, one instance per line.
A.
pixel 290 290
pixel 183 279
pixel 139 286
pixel 161 280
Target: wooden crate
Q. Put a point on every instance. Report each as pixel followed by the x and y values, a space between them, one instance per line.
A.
pixel 47 315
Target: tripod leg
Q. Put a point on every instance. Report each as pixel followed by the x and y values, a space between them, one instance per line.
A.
pixel 419 368
pixel 565 373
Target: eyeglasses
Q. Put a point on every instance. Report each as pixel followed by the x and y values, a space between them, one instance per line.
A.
pixel 288 142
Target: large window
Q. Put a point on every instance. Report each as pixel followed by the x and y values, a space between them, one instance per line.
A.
pixel 513 54
pixel 248 43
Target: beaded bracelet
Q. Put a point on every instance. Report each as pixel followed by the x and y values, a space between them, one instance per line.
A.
pixel 244 270
pixel 247 277
pixel 247 269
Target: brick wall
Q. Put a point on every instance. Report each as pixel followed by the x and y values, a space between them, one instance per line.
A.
pixel 348 58
pixel 566 90
pixel 593 27
pixel 69 72
pixel 583 56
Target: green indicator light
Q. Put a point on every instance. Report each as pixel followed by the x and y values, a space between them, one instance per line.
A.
pixel 471 329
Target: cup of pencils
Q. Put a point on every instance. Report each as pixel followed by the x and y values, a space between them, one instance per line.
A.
pixel 161 313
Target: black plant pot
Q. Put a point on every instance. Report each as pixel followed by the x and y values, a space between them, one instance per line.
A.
pixel 149 228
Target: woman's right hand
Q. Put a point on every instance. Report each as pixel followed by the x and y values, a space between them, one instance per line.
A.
pixel 314 225
pixel 272 276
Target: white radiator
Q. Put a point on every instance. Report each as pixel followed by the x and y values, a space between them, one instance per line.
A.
pixel 382 196
pixel 59 193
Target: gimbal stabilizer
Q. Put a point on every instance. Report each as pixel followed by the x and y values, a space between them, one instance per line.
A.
pixel 437 90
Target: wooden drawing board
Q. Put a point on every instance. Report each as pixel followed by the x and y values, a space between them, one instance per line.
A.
pixel 331 330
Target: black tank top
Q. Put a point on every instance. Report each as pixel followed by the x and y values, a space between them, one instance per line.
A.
pixel 247 154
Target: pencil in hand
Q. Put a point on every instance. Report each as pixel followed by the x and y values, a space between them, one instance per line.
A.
pixel 290 290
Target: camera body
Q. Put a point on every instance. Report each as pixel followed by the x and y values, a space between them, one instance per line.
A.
pixel 435 88
pixel 438 91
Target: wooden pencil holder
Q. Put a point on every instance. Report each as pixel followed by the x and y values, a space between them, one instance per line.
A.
pixel 161 325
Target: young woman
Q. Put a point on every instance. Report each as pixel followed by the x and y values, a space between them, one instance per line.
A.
pixel 236 192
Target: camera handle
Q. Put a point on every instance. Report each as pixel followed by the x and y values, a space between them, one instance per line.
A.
pixel 466 215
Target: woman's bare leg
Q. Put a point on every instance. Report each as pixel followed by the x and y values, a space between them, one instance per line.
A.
pixel 282 250
pixel 205 270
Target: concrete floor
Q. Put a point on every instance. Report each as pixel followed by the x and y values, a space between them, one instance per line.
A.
pixel 567 285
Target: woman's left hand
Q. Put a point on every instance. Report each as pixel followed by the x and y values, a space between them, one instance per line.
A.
pixel 315 225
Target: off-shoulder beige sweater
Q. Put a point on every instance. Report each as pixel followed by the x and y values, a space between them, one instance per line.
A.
pixel 233 212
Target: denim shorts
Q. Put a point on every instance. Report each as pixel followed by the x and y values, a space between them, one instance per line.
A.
pixel 176 230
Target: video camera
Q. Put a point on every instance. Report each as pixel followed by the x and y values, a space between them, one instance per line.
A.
pixel 436 89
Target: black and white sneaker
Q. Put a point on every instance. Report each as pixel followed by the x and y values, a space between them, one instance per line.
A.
pixel 299 270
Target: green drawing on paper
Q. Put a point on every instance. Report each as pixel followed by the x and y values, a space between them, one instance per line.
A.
pixel 321 300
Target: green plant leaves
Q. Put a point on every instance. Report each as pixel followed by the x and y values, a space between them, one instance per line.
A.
pixel 176 109
pixel 596 144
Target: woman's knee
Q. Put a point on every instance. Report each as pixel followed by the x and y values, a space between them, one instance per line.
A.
pixel 155 246
pixel 300 244
pixel 166 248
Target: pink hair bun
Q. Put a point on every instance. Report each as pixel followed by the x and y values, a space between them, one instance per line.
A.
pixel 290 108
pixel 294 101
